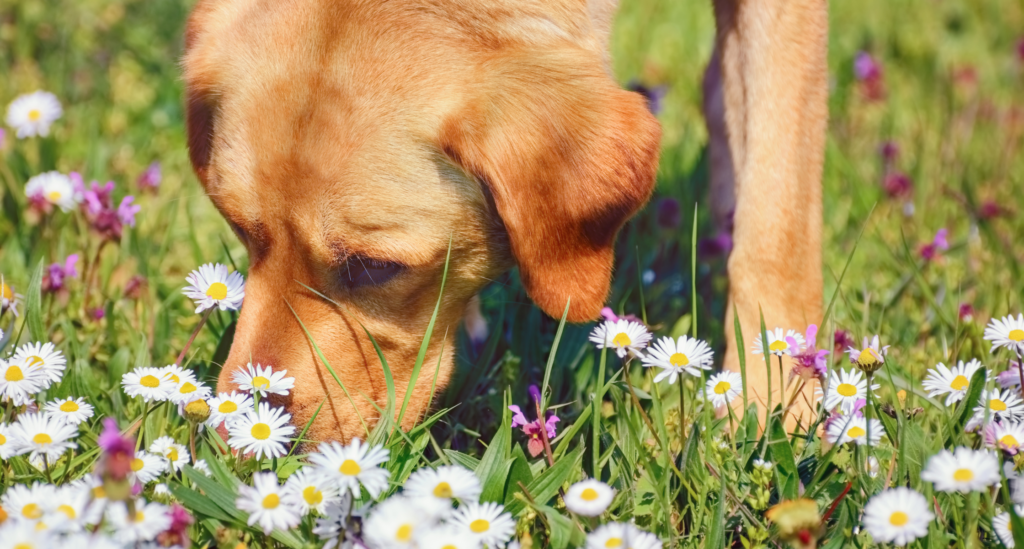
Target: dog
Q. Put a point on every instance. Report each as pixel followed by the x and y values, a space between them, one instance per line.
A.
pixel 351 144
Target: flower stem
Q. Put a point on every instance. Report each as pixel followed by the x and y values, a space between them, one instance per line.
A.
pixel 1020 372
pixel 596 419
pixel 682 412
pixel 202 322
pixel 544 434
pixel 142 426
pixel 192 440
pixel 46 468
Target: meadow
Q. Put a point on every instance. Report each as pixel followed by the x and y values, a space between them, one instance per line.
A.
pixel 922 247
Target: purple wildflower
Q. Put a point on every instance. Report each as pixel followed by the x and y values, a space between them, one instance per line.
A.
pixel 103 217
pixel 176 534
pixel 669 214
pixel 865 67
pixel 897 184
pixel 126 211
pixel 115 462
pixel 151 178
pixel 718 245
pixel 991 210
pixel 966 312
pixel 653 94
pixel 841 340
pixel 608 314
pixel 53 281
pixel 810 363
pixel 890 151
pixel 938 244
pixel 533 429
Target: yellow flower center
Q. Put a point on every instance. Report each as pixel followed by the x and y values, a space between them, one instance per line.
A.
pixel 404 532
pixel 856 432
pixel 35 361
pixel 679 359
pixel 622 340
pixel 42 438
pixel 69 407
pixel 6 292
pixel 1017 335
pixel 68 510
pixel 312 495
pixel 35 114
pixel 14 373
pixel 778 346
pixel 260 431
pixel 963 475
pixel 722 387
pixel 3 439
pixel 149 381
pixel 99 493
pixel 846 389
pixel 187 388
pixel 53 196
pixel 350 467
pixel 271 501
pixel 589 494
pixel 959 383
pixel 443 490
pixel 137 465
pixel 227 407
pixel 174 378
pixel 449 546
pixel 899 518
pixel 612 543
pixel 1009 441
pixel 479 526
pixel 868 357
pixel 24 546
pixel 172 454
pixel 997 405
pixel 32 511
pixel 217 290
pixel 139 516
pixel 260 382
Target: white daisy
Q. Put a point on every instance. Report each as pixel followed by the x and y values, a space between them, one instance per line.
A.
pixel 854 428
pixel 996 405
pixel 677 356
pixel 963 470
pixel 174 373
pixel 871 354
pixel 228 407
pixel 352 465
pixel 1005 435
pixel 31 114
pixel 26 503
pixel 723 387
pixel 176 454
pixel 43 436
pixel 70 510
pixel 445 536
pixel 953 382
pixel 263 380
pixel 845 389
pixel 148 467
pixel 621 335
pixel 72 410
pixel 898 516
pixel 1007 332
pixel 212 286
pixel 149 521
pixel 589 497
pixel 201 466
pixel 9 299
pixel 266 505
pixel 617 535
pixel 487 522
pixel 54 188
pixel 395 523
pixel 1001 526
pixel 25 535
pixel 333 525
pixel 189 389
pixel 442 484
pixel 151 384
pixel 9 445
pixel 18 383
pixel 263 432
pixel 309 490
pixel 44 356
pixel 780 343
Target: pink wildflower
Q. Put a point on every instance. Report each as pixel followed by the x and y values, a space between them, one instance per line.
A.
pixel 533 429
pixel 56 274
pixel 938 244
pixel 810 363
pixel 151 178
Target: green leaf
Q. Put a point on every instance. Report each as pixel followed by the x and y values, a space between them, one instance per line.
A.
pixel 496 461
pixel 34 305
pixel 966 408
pixel 716 528
pixel 520 472
pixel 785 462
pixel 564 533
pixel 546 485
pixel 196 503
pixel 465 460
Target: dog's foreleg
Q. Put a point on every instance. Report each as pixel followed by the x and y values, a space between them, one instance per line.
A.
pixel 773 81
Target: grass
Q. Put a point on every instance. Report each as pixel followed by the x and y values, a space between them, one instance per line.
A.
pixel 951 77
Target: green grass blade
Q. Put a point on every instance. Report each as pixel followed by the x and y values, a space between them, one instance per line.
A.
pixel 34 305
pixel 551 357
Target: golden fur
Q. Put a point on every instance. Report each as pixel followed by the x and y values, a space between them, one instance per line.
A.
pixel 329 130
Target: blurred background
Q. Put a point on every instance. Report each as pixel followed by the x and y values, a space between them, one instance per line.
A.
pixel 927 115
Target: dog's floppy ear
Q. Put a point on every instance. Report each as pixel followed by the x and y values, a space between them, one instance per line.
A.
pixel 569 157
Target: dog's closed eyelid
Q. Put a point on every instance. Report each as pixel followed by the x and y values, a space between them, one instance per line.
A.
pixel 359 271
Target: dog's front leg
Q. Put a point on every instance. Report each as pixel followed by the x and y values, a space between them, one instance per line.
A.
pixel 773 79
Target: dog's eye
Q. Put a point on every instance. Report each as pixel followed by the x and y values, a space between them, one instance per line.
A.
pixel 239 232
pixel 359 271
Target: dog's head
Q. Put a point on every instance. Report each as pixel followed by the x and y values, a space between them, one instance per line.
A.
pixel 349 143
